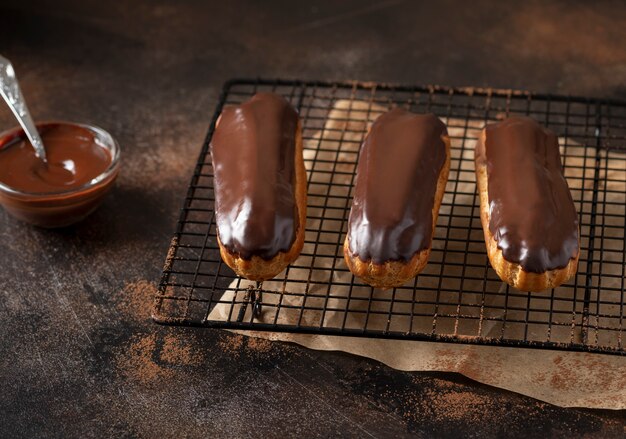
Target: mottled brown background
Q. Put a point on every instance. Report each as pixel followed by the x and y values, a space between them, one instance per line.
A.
pixel 79 356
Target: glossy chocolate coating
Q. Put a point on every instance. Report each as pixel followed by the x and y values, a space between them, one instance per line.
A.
pixel 74 159
pixel 399 166
pixel 253 151
pixel 532 215
pixel 62 192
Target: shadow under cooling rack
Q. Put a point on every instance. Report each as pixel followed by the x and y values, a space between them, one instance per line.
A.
pixel 458 297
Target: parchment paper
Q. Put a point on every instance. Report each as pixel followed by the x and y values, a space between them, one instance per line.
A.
pixel 567 379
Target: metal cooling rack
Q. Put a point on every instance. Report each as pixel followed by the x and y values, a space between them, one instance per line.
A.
pixel 458 297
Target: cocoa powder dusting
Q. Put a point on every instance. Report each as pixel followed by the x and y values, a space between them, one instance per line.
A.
pixel 235 344
pixel 581 370
pixel 171 252
pixel 176 352
pixel 135 300
pixel 259 344
pixel 470 366
pixel 461 405
pixel 451 402
pixel 148 359
pixel 136 361
pixel 231 344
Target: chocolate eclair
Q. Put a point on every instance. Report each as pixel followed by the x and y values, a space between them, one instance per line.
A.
pixel 400 180
pixel 260 186
pixel 526 208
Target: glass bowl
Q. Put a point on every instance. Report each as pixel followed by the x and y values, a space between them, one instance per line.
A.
pixel 65 207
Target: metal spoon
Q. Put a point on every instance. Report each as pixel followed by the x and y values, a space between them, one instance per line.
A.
pixel 10 91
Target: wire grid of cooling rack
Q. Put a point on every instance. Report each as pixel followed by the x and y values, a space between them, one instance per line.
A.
pixel 458 297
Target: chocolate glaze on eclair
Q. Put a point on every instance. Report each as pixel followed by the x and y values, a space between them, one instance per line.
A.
pixel 401 178
pixel 396 182
pixel 531 213
pixel 253 151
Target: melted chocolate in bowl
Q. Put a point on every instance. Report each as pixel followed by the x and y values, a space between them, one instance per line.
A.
pixel 82 165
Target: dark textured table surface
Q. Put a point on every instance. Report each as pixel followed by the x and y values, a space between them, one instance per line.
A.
pixel 79 355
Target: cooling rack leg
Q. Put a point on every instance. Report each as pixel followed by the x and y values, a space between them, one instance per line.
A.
pixel 257 308
pixel 244 306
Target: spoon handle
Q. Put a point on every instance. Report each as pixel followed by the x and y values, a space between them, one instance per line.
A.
pixel 10 91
